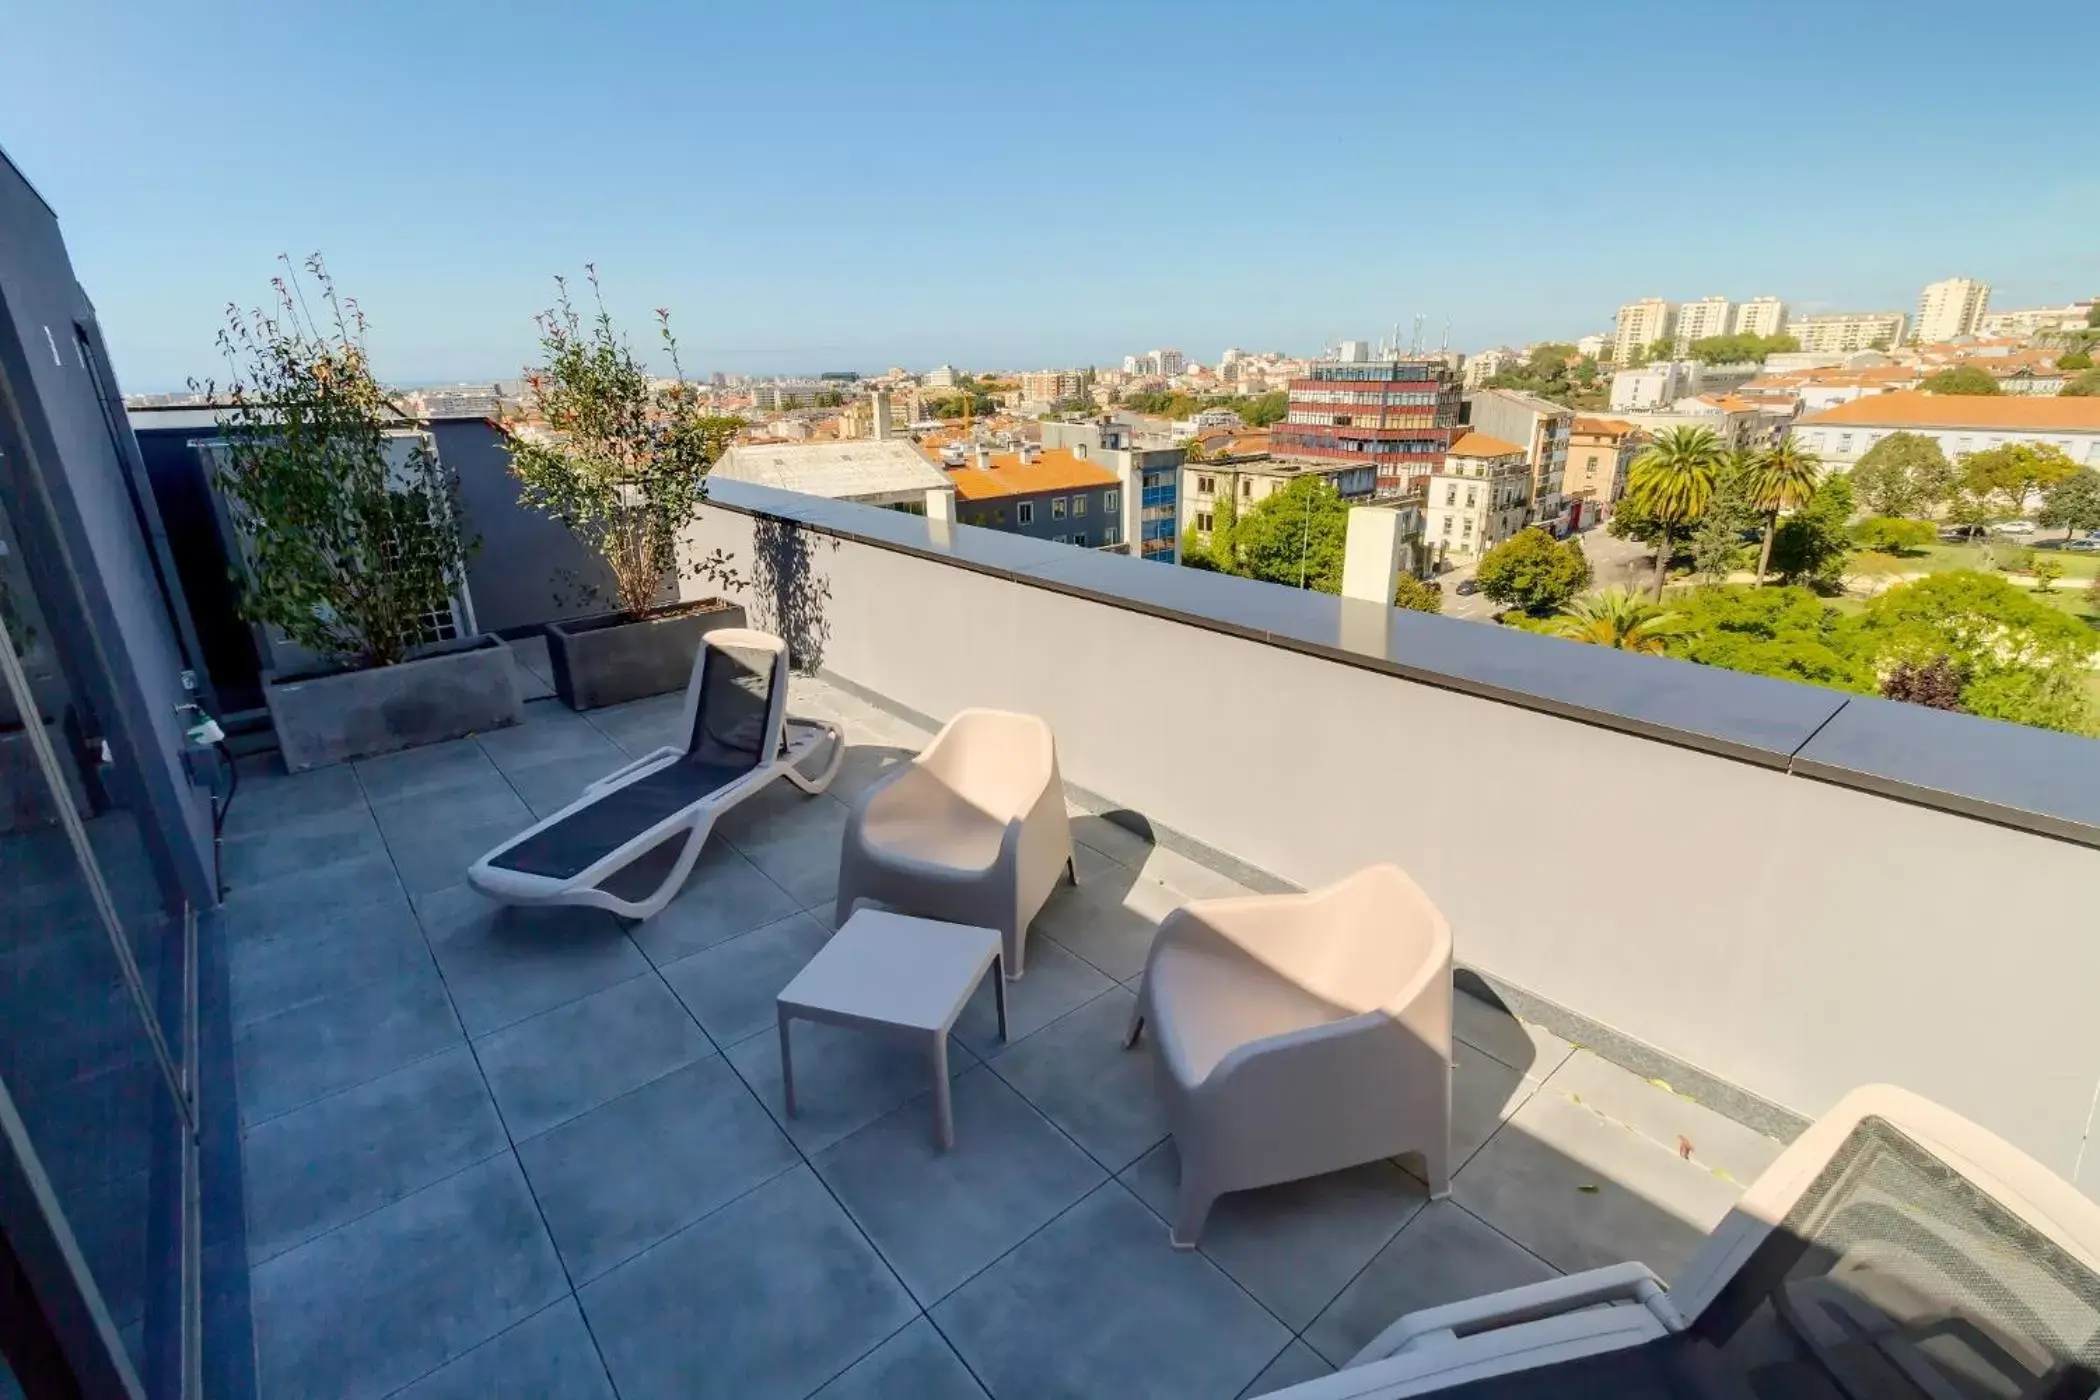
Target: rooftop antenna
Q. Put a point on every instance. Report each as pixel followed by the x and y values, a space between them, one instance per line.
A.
pixel 1445 346
pixel 1414 346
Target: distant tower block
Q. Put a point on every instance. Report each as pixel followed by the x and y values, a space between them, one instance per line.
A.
pixel 881 430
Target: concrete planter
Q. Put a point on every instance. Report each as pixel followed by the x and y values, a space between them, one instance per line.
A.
pixel 446 692
pixel 613 657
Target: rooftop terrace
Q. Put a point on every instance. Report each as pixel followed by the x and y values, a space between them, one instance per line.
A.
pixel 512 1152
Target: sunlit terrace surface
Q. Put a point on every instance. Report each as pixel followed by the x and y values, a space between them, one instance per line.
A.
pixel 505 1152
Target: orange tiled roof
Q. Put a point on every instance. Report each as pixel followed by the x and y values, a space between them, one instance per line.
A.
pixel 1483 445
pixel 1909 408
pixel 1603 427
pixel 1055 470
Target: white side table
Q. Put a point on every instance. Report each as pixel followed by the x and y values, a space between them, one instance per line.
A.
pixel 885 971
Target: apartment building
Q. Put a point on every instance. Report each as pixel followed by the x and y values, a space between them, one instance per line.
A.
pixel 1959 423
pixel 1396 416
pixel 1698 320
pixel 1639 325
pixel 2029 321
pixel 1050 385
pixel 1654 385
pixel 1954 307
pixel 1537 426
pixel 1480 368
pixel 1846 332
pixel 1599 452
pixel 1251 481
pixel 1759 316
pixel 1149 525
pixel 1044 493
pixel 1477 499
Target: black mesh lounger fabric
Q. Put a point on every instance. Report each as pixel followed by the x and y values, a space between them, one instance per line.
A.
pixel 729 734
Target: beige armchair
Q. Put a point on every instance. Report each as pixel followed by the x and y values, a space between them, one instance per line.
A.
pixel 1301 1034
pixel 973 830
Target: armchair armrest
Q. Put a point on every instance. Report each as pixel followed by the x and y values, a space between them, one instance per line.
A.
pixel 668 751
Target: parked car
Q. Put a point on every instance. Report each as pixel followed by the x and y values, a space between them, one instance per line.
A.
pixel 1468 587
pixel 2014 527
pixel 2084 546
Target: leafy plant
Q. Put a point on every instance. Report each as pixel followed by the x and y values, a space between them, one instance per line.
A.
pixel 2025 660
pixel 1781 479
pixel 1295 536
pixel 1904 474
pixel 1964 379
pixel 1892 534
pixel 622 460
pixel 1671 481
pixel 1533 571
pixel 2047 570
pixel 1717 542
pixel 1620 619
pixel 1811 545
pixel 349 544
pixel 2073 503
pixel 1935 684
pixel 1776 631
pixel 1414 595
pixel 2015 472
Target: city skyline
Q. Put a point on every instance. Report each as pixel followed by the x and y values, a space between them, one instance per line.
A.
pixel 866 218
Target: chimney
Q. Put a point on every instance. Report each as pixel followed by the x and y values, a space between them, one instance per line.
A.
pixel 881 430
pixel 984 457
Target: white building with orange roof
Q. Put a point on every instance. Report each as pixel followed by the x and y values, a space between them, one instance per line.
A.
pixel 1477 498
pixel 1960 423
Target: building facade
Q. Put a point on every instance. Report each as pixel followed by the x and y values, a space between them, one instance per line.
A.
pixel 1396 416
pixel 1846 332
pixel 1954 307
pixel 1253 480
pixel 2034 320
pixel 1046 494
pixel 1151 482
pixel 1697 320
pixel 1654 385
pixel 1639 325
pixel 1480 368
pixel 1479 498
pixel 1599 452
pixel 1050 385
pixel 1541 429
pixel 1759 316
pixel 1959 423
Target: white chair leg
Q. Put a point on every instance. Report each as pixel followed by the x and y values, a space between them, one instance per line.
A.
pixel 1197 1198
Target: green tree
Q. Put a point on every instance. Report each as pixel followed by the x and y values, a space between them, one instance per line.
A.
pixel 1194 553
pixel 1781 479
pixel 1414 595
pixel 346 545
pixel 1717 542
pixel 1784 632
pixel 1903 474
pixel 1741 349
pixel 1812 544
pixel 1294 536
pixel 1964 379
pixel 1224 526
pixel 1936 685
pixel 2085 386
pixel 1192 450
pixel 2015 472
pixel 1893 534
pixel 1264 409
pixel 1672 480
pixel 1618 618
pixel 2075 359
pixel 2073 503
pixel 2047 570
pixel 1533 571
pixel 2025 660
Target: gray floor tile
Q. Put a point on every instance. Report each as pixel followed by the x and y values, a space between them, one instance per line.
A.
pixel 1108 922
pixel 1689 1129
pixel 939 1217
pixel 732 987
pixel 1442 1256
pixel 916 1364
pixel 1294 1246
pixel 1076 1071
pixel 723 897
pixel 1581 1191
pixel 1056 983
pixel 314 843
pixel 294 901
pixel 640 726
pixel 436 836
pixel 1484 1093
pixel 1299 1363
pixel 297 1056
pixel 639 1168
pixel 347 1155
pixel 864 766
pixel 553 1066
pixel 503 963
pixel 269 799
pixel 845 1078
pixel 548 1356
pixel 368 943
pixel 548 787
pixel 799 850
pixel 774 1294
pixel 1527 1049
pixel 1097 1304
pixel 364 1310
pixel 551 731
pixel 421 772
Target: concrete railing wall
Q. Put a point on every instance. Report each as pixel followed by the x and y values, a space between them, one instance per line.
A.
pixel 1742 896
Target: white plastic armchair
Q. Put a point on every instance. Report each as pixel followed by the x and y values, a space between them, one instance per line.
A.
pixel 972 831
pixel 1301 1034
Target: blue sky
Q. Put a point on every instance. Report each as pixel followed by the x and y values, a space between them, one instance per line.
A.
pixel 854 185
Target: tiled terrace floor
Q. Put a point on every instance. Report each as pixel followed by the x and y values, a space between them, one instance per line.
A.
pixel 510 1153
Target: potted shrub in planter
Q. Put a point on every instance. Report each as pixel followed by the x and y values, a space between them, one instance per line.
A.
pixel 622 462
pixel 351 543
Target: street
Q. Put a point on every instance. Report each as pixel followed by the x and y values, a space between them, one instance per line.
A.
pixel 1614 563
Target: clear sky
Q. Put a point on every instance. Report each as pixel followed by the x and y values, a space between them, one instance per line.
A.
pixel 853 185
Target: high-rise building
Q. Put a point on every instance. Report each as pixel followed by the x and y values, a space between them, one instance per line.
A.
pixel 1640 324
pixel 1759 316
pixel 1396 416
pixel 1050 385
pixel 1846 332
pixel 1171 362
pixel 1540 428
pixel 1951 308
pixel 1698 320
pixel 1480 368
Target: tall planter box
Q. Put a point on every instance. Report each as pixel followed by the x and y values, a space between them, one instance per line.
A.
pixel 614 657
pixel 446 692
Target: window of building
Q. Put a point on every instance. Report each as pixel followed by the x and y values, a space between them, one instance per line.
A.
pixel 1447 524
pixel 1024 513
pixel 1450 495
pixel 1208 485
pixel 1111 501
pixel 1057 507
pixel 1246 488
pixel 1203 521
pixel 1472 495
pixel 1057 539
pixel 1079 505
pixel 1080 539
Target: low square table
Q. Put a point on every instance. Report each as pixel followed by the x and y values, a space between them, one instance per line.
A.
pixel 891 972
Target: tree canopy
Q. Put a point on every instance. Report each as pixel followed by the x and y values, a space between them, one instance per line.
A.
pixel 1671 481
pixel 1784 632
pixel 1964 379
pixel 2085 386
pixel 1533 571
pixel 2075 359
pixel 1893 534
pixel 1554 372
pixel 1617 618
pixel 1809 546
pixel 2014 472
pixel 1903 474
pixel 1294 534
pixel 1783 478
pixel 1256 411
pixel 2021 658
pixel 1740 349
pixel 1414 595
pixel 2073 504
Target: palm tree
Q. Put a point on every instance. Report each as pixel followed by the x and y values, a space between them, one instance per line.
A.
pixel 1617 618
pixel 1782 479
pixel 1672 480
